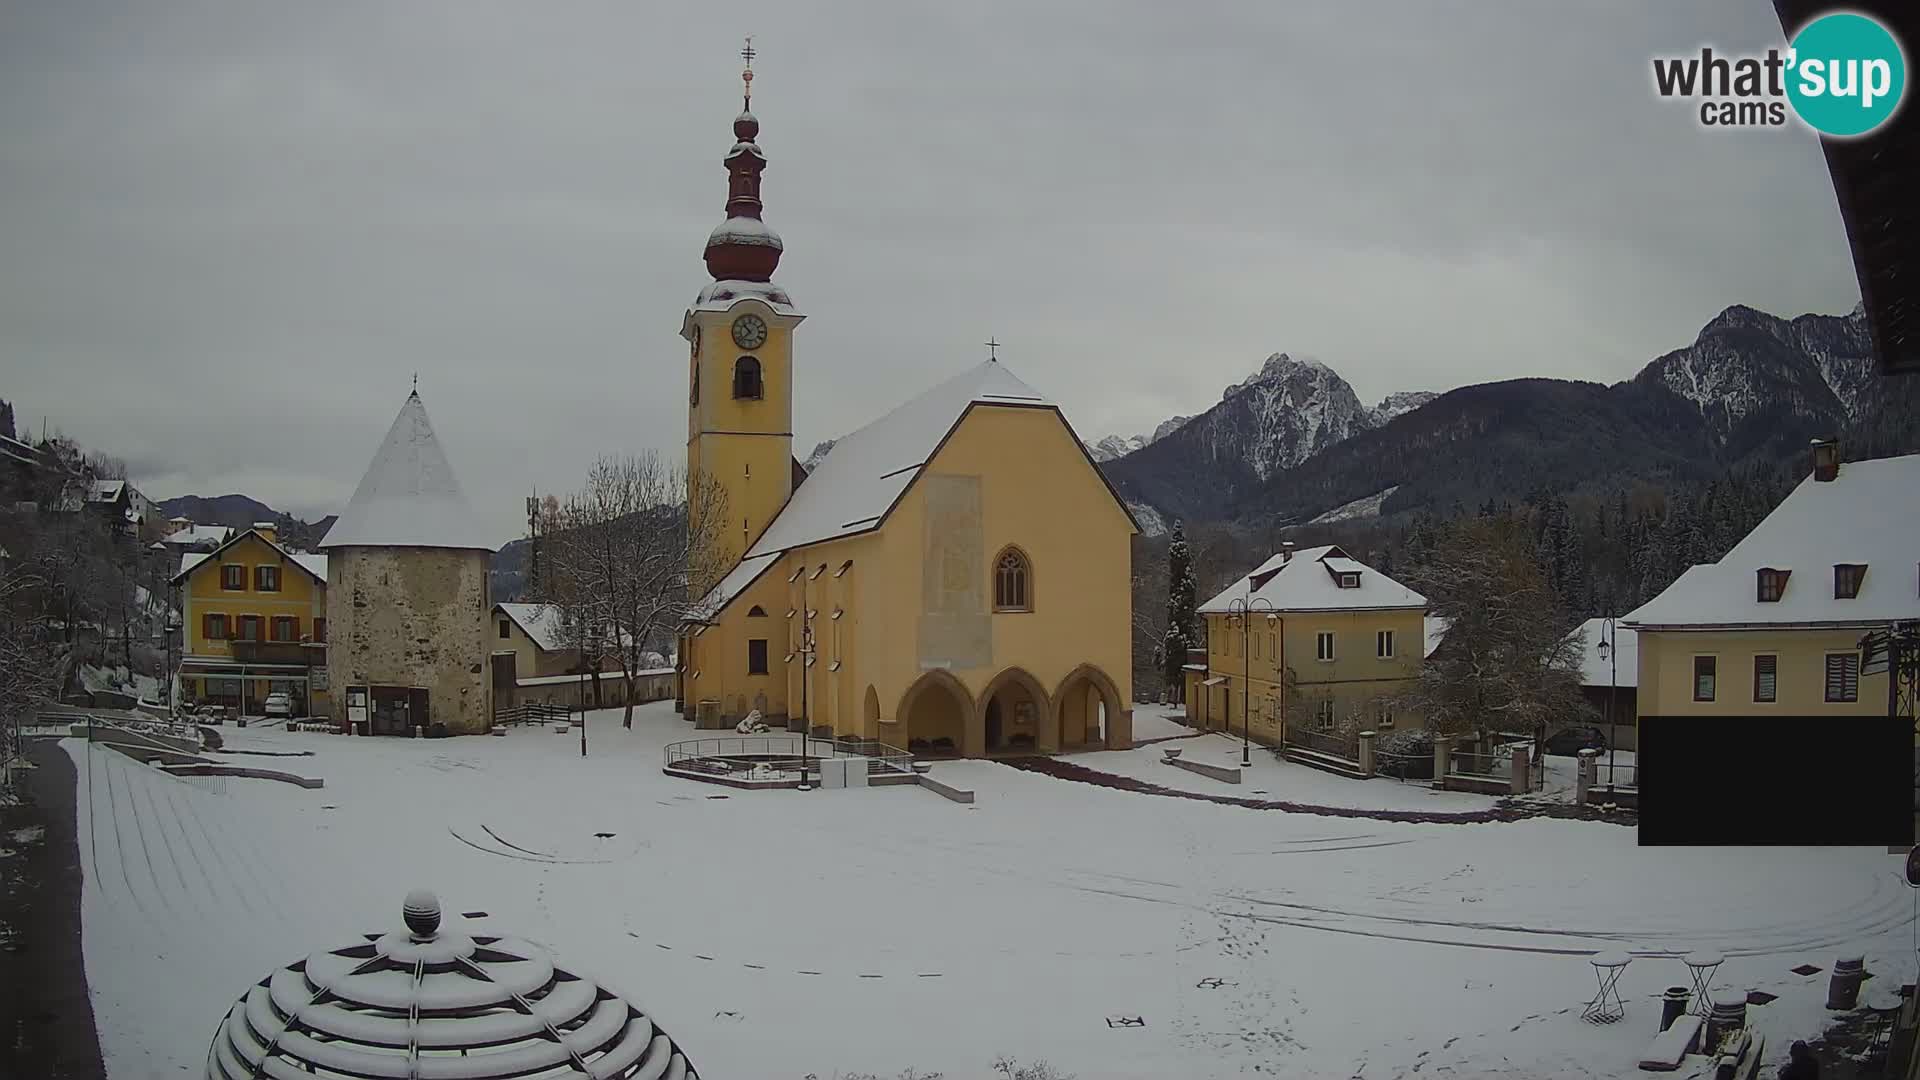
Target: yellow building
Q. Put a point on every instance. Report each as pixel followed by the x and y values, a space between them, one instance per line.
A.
pixel 1774 627
pixel 1348 638
pixel 255 622
pixel 952 578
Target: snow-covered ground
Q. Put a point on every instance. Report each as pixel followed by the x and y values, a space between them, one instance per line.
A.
pixel 777 934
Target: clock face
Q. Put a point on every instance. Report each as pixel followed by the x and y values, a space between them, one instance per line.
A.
pixel 749 332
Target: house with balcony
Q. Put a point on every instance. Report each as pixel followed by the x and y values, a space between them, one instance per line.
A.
pixel 1305 651
pixel 254 618
pixel 1774 627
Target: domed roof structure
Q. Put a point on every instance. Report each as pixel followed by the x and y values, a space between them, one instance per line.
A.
pixel 427 1002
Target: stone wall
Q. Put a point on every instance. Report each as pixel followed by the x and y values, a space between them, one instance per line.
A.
pixel 412 617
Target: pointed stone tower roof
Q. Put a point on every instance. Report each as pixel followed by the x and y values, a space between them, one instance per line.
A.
pixel 409 496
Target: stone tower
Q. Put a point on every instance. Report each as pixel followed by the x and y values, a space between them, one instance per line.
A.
pixel 408 597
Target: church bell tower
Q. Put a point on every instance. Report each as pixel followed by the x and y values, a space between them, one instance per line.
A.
pixel 739 333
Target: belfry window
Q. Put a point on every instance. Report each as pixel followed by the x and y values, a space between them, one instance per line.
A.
pixel 746 378
pixel 1012 582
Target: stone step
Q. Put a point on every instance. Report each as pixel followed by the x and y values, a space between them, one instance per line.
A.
pixel 1324 762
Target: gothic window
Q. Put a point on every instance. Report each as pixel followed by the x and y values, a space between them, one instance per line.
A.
pixel 756 612
pixel 1012 582
pixel 746 378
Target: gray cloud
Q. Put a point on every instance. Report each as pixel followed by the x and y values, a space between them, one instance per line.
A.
pixel 235 231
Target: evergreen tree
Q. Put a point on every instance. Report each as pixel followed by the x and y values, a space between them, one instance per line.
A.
pixel 1182 625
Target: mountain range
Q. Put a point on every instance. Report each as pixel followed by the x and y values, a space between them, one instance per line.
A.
pixel 240 511
pixel 1292 444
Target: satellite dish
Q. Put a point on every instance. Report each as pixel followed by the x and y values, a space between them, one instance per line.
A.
pixel 1913 868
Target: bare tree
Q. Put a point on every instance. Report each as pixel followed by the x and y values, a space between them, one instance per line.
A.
pixel 33 655
pixel 1506 664
pixel 621 554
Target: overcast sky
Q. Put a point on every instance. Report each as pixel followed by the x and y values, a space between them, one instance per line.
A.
pixel 231 232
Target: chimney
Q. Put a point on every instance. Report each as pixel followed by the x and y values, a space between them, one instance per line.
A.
pixel 269 530
pixel 1286 552
pixel 1826 459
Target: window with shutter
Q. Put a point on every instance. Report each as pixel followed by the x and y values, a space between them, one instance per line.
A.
pixel 1766 672
pixel 1704 670
pixel 266 578
pixel 233 577
pixel 249 628
pixel 1843 677
pixel 214 627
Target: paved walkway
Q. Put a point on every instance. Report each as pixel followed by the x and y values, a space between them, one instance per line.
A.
pixel 1509 810
pixel 46 1017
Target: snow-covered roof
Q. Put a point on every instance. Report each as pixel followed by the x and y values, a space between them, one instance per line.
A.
pixel 541 622
pixel 599 676
pixel 198 536
pixel 1869 515
pixel 1436 631
pixel 409 496
pixel 745 230
pixel 743 574
pixel 1304 584
pixel 722 295
pixel 853 487
pixel 311 563
pixel 1621 669
pixel 107 490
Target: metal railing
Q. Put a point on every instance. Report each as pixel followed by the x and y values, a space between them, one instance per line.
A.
pixel 1345 746
pixel 781 754
pixel 533 712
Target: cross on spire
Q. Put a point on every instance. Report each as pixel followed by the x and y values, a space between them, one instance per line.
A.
pixel 416 382
pixel 993 349
pixel 747 53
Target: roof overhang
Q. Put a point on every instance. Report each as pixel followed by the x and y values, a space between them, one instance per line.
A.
pixel 1874 180
pixel 1683 628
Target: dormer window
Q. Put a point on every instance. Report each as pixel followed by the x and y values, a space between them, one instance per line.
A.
pixel 1772 584
pixel 1847 578
pixel 1349 580
pixel 746 379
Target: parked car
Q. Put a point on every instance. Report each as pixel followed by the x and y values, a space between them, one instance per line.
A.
pixel 1569 741
pixel 280 703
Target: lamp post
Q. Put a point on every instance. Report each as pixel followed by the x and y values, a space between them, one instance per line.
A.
pixel 1240 611
pixel 1610 652
pixel 806 721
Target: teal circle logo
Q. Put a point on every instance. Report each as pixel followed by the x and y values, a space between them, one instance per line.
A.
pixel 1846 74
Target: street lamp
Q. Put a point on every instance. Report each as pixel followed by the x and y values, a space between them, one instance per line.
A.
pixel 806 721
pixel 1240 611
pixel 1611 654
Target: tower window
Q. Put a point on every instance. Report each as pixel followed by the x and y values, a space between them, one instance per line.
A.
pixel 757 656
pixel 746 378
pixel 1012 582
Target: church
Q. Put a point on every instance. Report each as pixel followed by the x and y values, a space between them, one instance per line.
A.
pixel 954 578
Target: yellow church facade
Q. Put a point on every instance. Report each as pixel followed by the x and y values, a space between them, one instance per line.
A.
pixel 953 578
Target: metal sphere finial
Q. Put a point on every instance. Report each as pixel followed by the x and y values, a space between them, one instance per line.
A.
pixel 422 913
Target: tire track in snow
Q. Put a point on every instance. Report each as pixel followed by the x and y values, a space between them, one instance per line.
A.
pixel 159 826
pixel 119 843
pixel 132 782
pixel 227 877
pixel 201 874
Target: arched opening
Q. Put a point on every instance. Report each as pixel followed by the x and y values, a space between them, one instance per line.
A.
pixel 870 714
pixel 933 715
pixel 1086 703
pixel 1012 712
pixel 756 612
pixel 746 378
pixel 1012 580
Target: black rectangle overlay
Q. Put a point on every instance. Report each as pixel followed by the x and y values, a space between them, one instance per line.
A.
pixel 1744 781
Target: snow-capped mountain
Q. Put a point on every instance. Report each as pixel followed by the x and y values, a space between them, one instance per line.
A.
pixel 819 454
pixel 1119 446
pixel 1749 391
pixel 1749 368
pixel 1398 405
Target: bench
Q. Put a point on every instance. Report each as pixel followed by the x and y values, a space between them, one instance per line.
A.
pixel 1667 1048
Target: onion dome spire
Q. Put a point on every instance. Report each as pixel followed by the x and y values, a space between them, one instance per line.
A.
pixel 743 248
